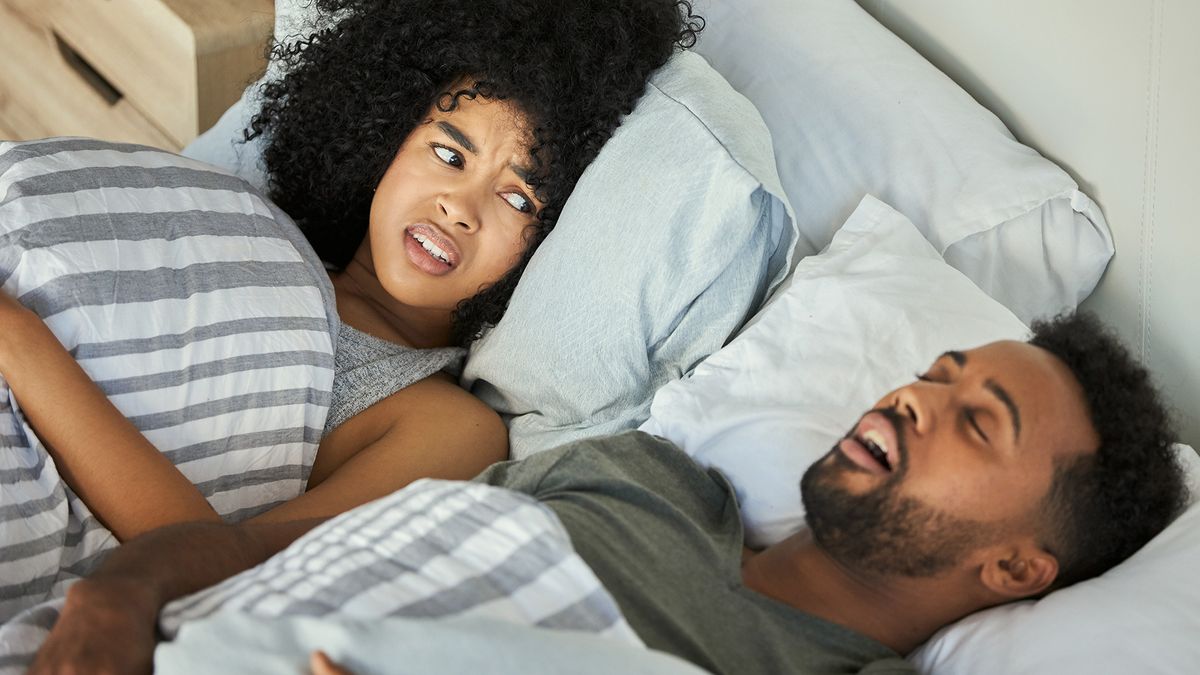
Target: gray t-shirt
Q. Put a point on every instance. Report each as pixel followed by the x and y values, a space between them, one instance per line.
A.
pixel 367 369
pixel 665 538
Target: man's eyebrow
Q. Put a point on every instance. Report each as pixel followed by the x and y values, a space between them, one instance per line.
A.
pixel 1013 412
pixel 956 356
pixel 458 136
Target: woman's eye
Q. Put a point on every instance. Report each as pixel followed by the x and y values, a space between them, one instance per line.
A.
pixel 518 201
pixel 448 156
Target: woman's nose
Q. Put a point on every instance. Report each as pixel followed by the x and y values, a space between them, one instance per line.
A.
pixel 458 210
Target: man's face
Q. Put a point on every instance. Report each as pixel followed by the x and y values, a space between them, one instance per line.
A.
pixel 959 459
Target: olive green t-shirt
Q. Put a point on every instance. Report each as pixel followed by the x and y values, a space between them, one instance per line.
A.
pixel 665 538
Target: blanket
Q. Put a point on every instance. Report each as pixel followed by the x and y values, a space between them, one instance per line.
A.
pixel 197 307
pixel 435 550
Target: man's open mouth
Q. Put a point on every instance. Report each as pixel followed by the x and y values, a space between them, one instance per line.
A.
pixel 873 444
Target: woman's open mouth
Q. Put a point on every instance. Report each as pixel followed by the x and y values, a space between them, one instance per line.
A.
pixel 429 250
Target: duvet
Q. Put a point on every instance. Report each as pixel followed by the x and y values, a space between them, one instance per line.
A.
pixel 197 307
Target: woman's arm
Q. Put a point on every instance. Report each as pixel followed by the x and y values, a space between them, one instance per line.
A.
pixel 436 429
pixel 126 482
pixel 430 429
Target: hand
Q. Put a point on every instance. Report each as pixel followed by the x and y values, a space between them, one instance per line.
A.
pixel 105 627
pixel 321 665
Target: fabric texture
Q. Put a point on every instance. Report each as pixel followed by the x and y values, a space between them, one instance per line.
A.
pixel 368 369
pixel 849 326
pixel 853 110
pixel 231 642
pixel 435 549
pixel 192 302
pixel 665 538
pixel 671 239
pixel 432 550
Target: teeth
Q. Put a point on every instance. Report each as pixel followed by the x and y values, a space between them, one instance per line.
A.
pixel 874 440
pixel 432 248
pixel 876 437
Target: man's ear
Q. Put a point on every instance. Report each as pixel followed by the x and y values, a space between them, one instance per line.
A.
pixel 1019 570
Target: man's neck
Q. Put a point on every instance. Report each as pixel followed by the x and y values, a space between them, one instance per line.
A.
pixel 900 614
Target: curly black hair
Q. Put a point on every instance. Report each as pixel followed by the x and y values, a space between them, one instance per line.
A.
pixel 1104 506
pixel 365 76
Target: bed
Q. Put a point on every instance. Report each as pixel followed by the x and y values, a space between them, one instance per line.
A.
pixel 880 165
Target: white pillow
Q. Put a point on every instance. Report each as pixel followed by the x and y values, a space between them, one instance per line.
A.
pixel 1142 616
pixel 853 110
pixel 850 325
pixel 671 239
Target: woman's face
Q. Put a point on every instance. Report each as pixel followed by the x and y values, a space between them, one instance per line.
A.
pixel 450 215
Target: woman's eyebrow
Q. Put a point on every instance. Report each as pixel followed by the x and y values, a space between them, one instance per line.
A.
pixel 522 173
pixel 458 136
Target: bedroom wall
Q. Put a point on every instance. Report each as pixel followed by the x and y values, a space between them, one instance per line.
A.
pixel 1110 90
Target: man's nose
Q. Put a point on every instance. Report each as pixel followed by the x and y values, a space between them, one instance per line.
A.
pixel 919 402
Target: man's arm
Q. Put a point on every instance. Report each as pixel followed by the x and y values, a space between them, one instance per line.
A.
pixel 130 486
pixel 108 623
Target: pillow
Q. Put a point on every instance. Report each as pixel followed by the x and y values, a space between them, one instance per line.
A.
pixel 850 325
pixel 1139 617
pixel 192 301
pixel 670 240
pixel 223 144
pixel 853 110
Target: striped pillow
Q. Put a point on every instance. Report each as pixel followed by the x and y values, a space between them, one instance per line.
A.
pixel 192 301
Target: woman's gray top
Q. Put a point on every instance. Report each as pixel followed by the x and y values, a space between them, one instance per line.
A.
pixel 367 369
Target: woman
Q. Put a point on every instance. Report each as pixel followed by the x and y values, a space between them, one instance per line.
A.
pixel 425 148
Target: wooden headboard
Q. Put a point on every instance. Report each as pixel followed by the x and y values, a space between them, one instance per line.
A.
pixel 1110 90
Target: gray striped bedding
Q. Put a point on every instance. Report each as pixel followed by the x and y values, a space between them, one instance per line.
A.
pixel 434 550
pixel 198 308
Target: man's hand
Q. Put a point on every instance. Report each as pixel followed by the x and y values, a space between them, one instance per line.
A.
pixel 106 626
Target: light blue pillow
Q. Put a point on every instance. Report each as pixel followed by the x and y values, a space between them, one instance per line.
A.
pixel 670 241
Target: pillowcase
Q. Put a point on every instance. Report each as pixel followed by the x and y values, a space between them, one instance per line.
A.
pixel 853 110
pixel 850 325
pixel 1139 617
pixel 670 240
pixel 196 306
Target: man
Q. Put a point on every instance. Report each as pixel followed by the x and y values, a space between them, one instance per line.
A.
pixel 1003 472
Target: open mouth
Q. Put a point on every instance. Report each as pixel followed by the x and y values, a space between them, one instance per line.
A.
pixel 430 250
pixel 873 444
pixel 427 244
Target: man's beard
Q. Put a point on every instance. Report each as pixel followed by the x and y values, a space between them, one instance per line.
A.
pixel 883 532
